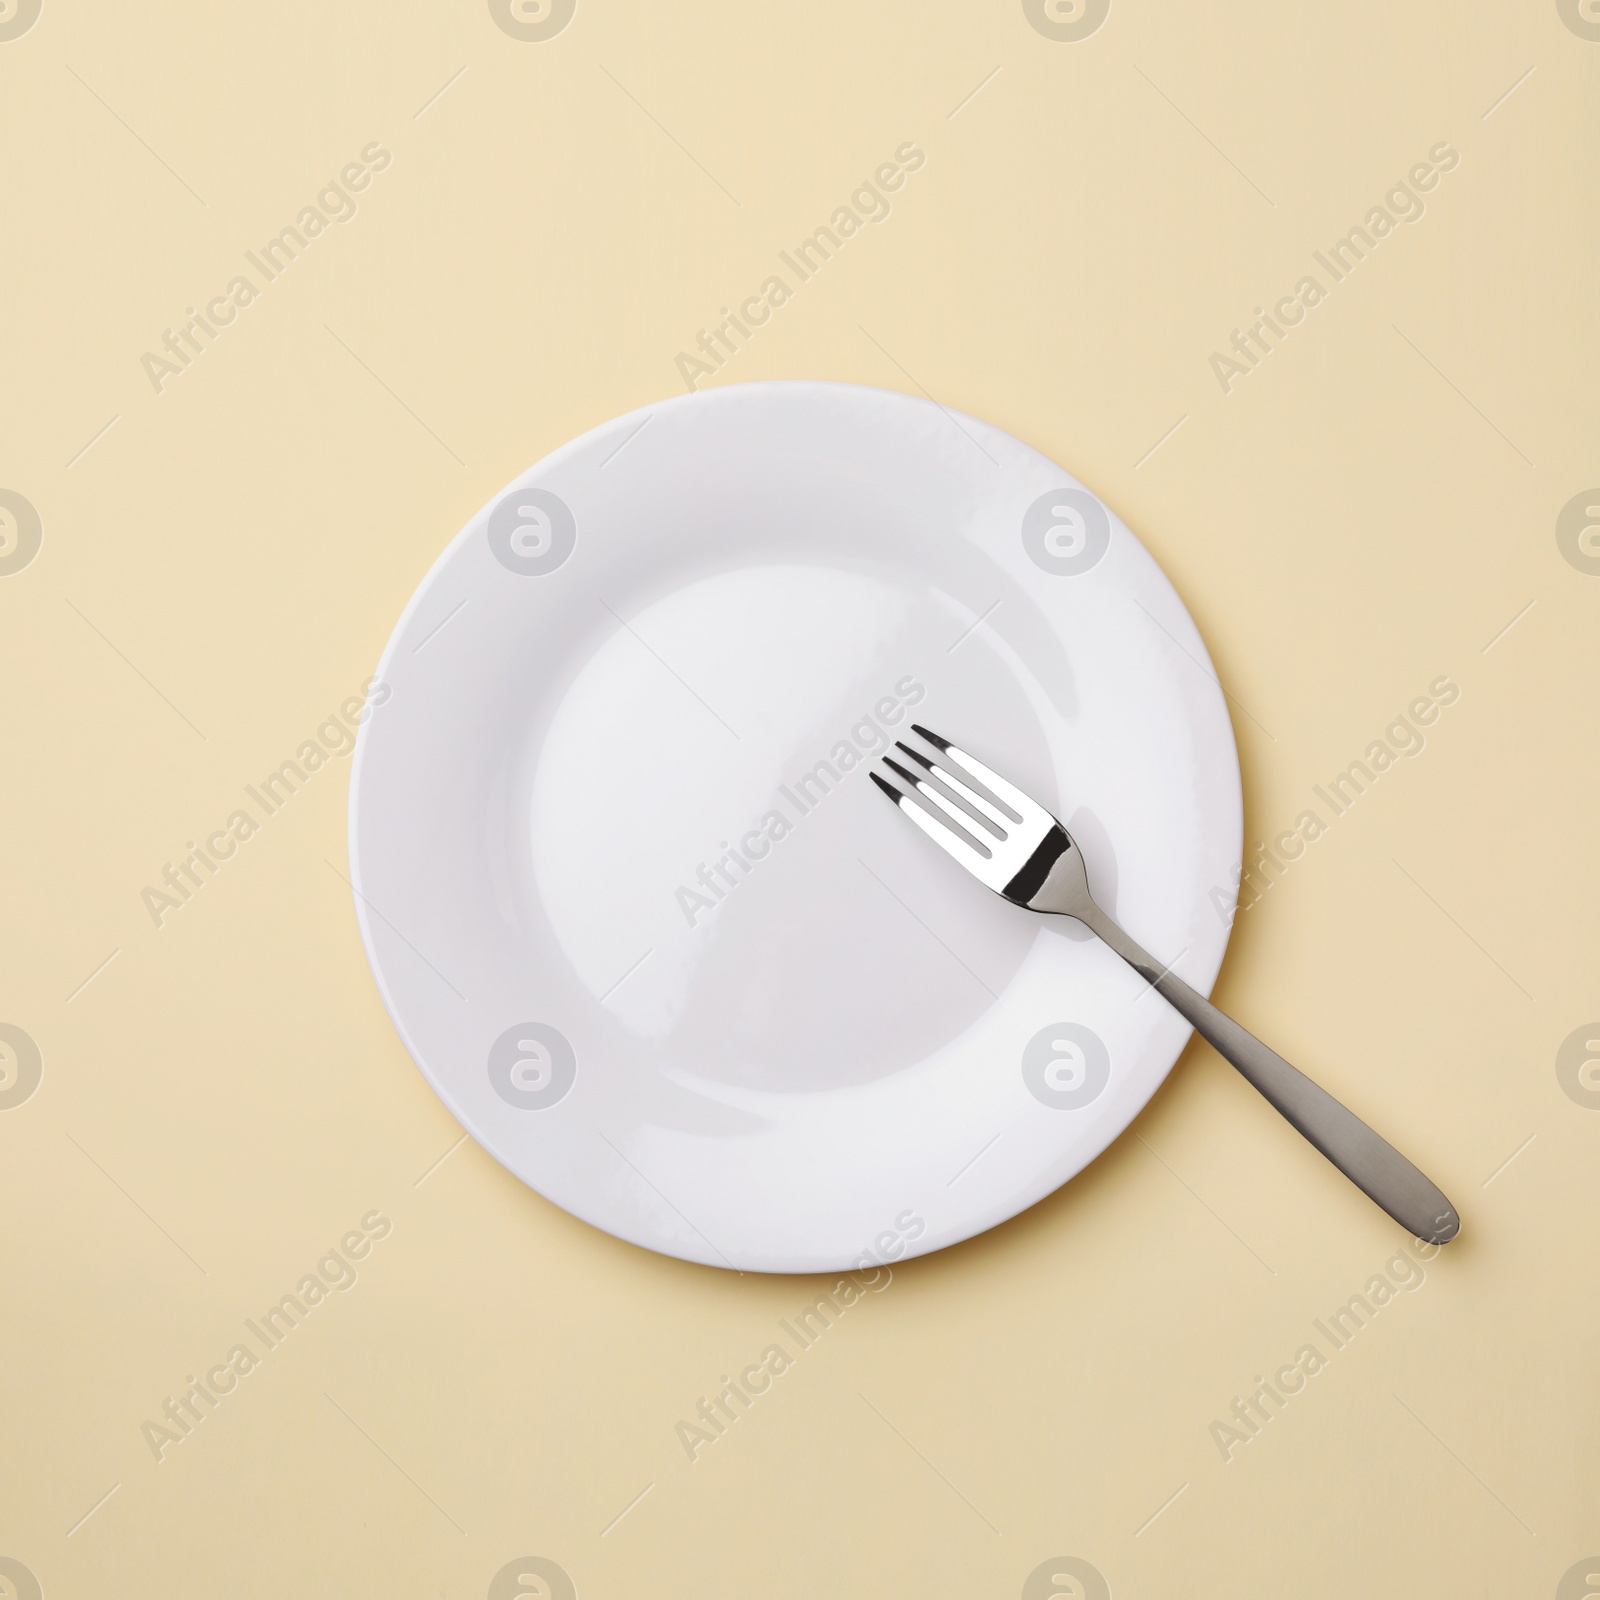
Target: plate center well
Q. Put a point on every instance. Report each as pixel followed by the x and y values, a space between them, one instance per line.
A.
pixel 711 858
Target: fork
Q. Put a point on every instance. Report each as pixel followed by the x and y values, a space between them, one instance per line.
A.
pixel 1012 845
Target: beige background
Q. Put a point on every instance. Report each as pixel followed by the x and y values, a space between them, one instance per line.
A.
pixel 222 1098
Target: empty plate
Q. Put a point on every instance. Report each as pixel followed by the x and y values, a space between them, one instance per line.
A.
pixel 632 903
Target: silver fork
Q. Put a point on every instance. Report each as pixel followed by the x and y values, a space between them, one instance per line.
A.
pixel 1014 846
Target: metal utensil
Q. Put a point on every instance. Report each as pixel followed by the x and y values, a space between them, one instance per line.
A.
pixel 1014 846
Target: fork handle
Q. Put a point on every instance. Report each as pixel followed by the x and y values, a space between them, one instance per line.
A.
pixel 1367 1160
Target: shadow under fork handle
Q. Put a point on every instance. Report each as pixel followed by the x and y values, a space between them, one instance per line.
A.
pixel 1366 1159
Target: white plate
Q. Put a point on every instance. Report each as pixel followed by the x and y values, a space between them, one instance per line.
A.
pixel 842 1049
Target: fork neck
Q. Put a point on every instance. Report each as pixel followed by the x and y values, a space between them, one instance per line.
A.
pixel 1053 880
pixel 1110 933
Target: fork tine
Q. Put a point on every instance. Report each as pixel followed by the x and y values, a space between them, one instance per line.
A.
pixel 1011 799
pixel 943 825
pixel 945 809
pixel 984 810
